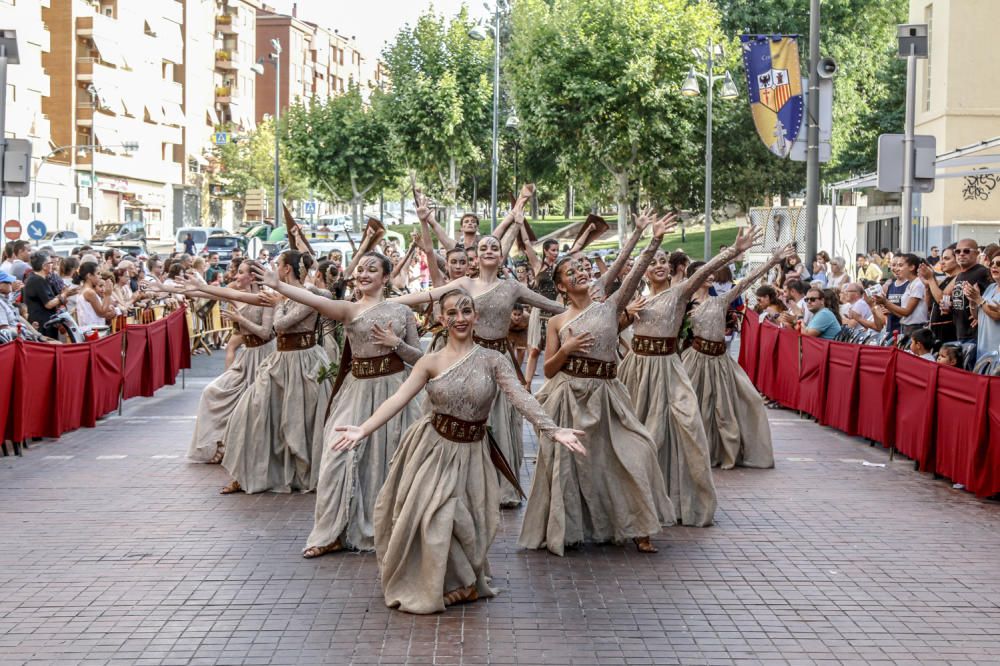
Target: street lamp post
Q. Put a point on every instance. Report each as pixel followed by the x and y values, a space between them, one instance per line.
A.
pixel 691 88
pixel 478 33
pixel 258 69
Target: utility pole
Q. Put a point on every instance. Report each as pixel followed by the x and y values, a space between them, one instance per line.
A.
pixel 812 136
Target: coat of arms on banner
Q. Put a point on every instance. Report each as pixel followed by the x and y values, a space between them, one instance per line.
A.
pixel 774 82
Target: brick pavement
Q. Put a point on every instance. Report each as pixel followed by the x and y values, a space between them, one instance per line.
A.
pixel 116 550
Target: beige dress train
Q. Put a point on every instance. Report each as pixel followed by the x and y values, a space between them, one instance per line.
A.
pixel 349 481
pixel 275 435
pixel 221 396
pixel 437 513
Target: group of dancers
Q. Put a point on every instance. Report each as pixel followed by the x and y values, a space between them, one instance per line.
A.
pixel 412 453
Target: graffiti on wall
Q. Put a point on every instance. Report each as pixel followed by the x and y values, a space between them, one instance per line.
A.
pixel 979 188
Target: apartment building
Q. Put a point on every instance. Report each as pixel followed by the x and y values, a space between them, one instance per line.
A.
pixel 27 85
pixel 295 61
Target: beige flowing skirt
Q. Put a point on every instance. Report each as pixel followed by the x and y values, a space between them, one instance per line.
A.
pixel 349 481
pixel 220 397
pixel 435 520
pixel 614 493
pixel 275 435
pixel 665 402
pixel 535 329
pixel 507 426
pixel 733 412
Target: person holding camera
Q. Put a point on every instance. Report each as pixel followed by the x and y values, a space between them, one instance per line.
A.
pixel 904 296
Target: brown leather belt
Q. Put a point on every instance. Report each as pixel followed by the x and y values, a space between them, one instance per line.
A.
pixel 458 430
pixel 376 366
pixel 250 341
pixel 648 346
pixel 580 366
pixel 296 341
pixel 499 345
pixel 709 347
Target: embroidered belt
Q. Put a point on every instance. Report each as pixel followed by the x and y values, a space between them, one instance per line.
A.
pixel 250 341
pixel 296 341
pixel 499 345
pixel 709 347
pixel 376 366
pixel 458 430
pixel 580 366
pixel 648 346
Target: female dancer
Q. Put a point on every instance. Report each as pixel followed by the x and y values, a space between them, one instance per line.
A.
pixel 618 492
pixel 495 299
pixel 731 409
pixel 437 516
pixel 661 391
pixel 275 435
pixel 252 324
pixel 380 337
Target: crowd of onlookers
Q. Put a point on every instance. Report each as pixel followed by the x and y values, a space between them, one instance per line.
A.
pixel 943 307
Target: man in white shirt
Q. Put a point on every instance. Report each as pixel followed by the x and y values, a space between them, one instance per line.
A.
pixel 856 310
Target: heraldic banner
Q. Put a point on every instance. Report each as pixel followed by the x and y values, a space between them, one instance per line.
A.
pixel 774 82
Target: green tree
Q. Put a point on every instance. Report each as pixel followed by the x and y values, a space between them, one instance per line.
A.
pixel 246 162
pixel 597 82
pixel 440 102
pixel 344 146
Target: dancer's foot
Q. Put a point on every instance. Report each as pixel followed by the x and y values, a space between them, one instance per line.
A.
pixel 461 595
pixel 316 551
pixel 233 487
pixel 220 452
pixel 644 546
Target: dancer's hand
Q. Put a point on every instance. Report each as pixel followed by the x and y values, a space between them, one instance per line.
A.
pixel 349 437
pixel 784 252
pixel 385 336
pixel 748 237
pixel 269 299
pixel 644 218
pixel 570 439
pixel 665 224
pixel 635 307
pixel 579 343
pixel 266 277
pixel 231 315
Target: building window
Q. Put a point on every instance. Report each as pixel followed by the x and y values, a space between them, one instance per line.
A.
pixel 929 20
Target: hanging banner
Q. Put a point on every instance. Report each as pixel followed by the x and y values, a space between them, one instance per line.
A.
pixel 774 81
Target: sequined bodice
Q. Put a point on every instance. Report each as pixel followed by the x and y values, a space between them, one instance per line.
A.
pixel 385 314
pixel 295 317
pixel 466 390
pixel 601 321
pixel 708 318
pixel 253 313
pixel 494 308
pixel 663 315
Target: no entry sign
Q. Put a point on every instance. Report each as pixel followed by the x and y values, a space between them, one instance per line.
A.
pixel 12 229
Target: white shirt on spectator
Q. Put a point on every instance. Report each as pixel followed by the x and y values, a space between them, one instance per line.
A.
pixel 861 308
pixel 919 315
pixel 8 314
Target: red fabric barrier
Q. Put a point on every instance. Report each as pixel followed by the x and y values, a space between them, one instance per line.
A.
pixel 961 424
pixel 841 387
pixel 767 360
pixel 106 375
pixel 8 370
pixel 913 408
pixel 876 392
pixel 750 344
pixel 786 380
pixel 135 361
pixel 987 466
pixel 154 372
pixel 34 401
pixel 812 376
pixel 71 386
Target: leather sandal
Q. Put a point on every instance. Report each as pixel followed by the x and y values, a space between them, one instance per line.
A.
pixel 220 452
pixel 233 487
pixel 316 551
pixel 644 546
pixel 461 595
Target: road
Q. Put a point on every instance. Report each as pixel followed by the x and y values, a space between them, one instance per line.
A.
pixel 117 550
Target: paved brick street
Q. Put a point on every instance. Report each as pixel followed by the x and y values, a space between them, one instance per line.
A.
pixel 117 550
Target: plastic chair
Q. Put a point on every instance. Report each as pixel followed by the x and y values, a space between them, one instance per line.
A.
pixel 986 364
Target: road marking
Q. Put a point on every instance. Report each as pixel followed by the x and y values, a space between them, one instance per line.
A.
pixel 113 457
pixel 800 459
pixel 57 457
pixel 163 456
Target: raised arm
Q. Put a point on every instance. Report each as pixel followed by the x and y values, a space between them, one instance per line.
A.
pixel 526 295
pixel 776 258
pixel 529 251
pixel 516 211
pixel 745 239
pixel 328 307
pixel 626 251
pixel 351 435
pixel 631 281
pixel 433 269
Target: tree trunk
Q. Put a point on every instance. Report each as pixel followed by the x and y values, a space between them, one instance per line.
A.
pixel 475 195
pixel 452 191
pixel 622 178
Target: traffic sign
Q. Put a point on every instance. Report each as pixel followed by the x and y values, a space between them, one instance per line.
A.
pixel 221 138
pixel 12 229
pixel 889 174
pixel 310 207
pixel 36 230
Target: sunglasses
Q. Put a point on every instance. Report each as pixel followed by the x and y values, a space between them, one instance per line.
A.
pixel 965 250
pixel 810 299
pixel 995 264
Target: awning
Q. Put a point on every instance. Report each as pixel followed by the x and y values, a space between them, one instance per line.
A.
pixel 107 138
pixel 173 114
pixel 169 36
pixel 201 161
pixel 155 111
pixel 213 117
pixel 109 98
pixel 109 49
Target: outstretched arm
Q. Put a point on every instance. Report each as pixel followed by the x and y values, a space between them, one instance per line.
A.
pixel 745 239
pixel 351 435
pixel 328 307
pixel 535 299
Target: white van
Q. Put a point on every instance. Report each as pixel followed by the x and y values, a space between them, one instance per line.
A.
pixel 199 235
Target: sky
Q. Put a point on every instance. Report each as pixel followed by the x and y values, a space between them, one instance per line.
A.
pixel 373 22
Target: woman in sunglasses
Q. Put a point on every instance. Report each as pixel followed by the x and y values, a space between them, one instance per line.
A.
pixel 987 303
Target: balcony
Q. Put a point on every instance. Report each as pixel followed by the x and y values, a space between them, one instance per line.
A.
pixel 223 94
pixel 84 114
pixel 85 26
pixel 224 60
pixel 89 68
pixel 173 92
pixel 226 24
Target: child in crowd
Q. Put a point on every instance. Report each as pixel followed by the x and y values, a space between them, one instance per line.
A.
pixel 922 344
pixel 948 356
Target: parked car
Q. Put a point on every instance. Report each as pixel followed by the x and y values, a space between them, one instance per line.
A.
pixel 335 223
pixel 224 246
pixel 120 231
pixel 199 235
pixel 60 242
pixel 137 248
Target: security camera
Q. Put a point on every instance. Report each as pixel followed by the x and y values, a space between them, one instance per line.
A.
pixel 826 68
